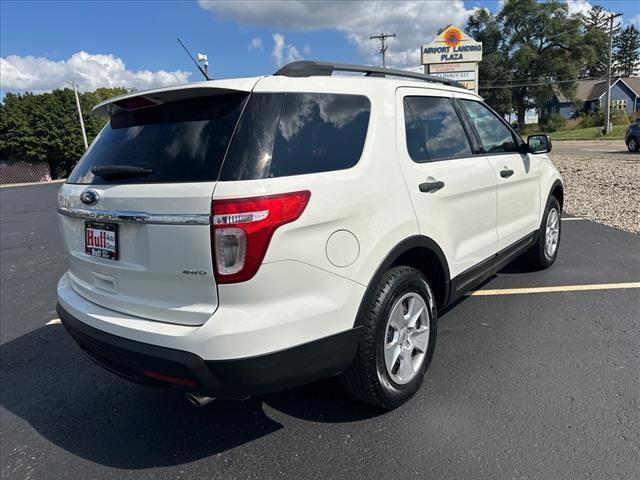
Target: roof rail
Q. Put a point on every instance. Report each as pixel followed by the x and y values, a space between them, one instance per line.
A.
pixel 309 68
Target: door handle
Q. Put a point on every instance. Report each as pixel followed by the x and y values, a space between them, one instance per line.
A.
pixel 433 186
pixel 506 173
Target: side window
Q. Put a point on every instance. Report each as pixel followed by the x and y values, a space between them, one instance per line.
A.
pixel 319 132
pixel 283 134
pixel 494 135
pixel 433 130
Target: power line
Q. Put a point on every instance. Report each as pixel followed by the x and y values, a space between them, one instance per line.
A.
pixel 570 76
pixel 548 82
pixel 383 48
pixel 415 18
pixel 375 17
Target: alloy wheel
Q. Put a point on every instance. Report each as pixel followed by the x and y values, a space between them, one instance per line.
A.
pixel 406 338
pixel 552 234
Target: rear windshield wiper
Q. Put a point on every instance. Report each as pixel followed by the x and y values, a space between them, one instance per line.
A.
pixel 119 171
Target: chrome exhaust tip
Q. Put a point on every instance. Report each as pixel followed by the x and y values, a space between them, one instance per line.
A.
pixel 198 400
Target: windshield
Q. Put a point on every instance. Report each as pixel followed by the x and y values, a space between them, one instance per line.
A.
pixel 182 141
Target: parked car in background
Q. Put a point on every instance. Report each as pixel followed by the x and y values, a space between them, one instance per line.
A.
pixel 236 237
pixel 632 137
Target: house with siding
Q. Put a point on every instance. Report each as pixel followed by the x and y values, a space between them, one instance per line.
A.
pixel 591 94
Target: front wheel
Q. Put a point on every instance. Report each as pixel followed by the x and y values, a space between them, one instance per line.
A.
pixel 544 252
pixel 633 144
pixel 397 342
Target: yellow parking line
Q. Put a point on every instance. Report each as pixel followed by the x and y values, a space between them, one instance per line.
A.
pixel 55 321
pixel 560 288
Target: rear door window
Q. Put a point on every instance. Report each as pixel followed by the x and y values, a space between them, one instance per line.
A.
pixel 182 141
pixel 433 130
pixel 284 134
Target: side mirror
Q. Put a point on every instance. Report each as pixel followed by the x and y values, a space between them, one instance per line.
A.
pixel 538 143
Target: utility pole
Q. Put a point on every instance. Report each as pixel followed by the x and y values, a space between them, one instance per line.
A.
pixel 84 134
pixel 383 48
pixel 607 112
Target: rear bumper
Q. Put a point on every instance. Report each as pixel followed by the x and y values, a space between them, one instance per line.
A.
pixel 236 378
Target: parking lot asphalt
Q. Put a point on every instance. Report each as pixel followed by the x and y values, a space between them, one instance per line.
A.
pixel 526 386
pixel 602 148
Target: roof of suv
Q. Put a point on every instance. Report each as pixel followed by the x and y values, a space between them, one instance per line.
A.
pixel 293 76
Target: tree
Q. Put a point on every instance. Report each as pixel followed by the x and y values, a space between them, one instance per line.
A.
pixel 626 59
pixel 596 17
pixel 531 47
pixel 596 25
pixel 493 70
pixel 45 127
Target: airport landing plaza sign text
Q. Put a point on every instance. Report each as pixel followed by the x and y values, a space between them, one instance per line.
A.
pixel 454 55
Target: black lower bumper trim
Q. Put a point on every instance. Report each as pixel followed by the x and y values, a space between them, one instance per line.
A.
pixel 235 378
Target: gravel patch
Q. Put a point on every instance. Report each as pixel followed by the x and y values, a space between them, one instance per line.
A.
pixel 605 189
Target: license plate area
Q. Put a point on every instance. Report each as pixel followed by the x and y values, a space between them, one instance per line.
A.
pixel 101 240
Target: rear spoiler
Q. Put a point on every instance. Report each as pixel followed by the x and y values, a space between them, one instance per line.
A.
pixel 158 96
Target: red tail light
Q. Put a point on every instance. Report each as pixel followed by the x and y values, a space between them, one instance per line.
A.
pixel 242 229
pixel 133 103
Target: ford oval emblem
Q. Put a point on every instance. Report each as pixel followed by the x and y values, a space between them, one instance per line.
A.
pixel 89 197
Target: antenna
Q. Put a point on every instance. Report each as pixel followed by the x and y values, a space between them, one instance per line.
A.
pixel 194 60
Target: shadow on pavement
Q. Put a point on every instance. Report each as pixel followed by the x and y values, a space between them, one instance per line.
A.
pixel 74 404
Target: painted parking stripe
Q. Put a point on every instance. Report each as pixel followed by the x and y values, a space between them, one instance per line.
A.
pixel 560 288
pixel 564 219
pixel 55 321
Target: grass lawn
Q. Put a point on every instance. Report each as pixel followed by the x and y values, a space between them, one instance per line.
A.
pixel 591 133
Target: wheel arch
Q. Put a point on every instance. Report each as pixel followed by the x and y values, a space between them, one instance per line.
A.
pixel 422 253
pixel 557 190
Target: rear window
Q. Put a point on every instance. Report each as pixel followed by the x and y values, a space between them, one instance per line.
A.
pixel 284 134
pixel 279 134
pixel 183 141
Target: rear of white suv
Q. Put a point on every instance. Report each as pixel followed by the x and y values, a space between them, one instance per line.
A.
pixel 242 236
pixel 226 279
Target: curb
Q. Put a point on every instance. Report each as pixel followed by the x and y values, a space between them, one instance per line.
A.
pixel 12 185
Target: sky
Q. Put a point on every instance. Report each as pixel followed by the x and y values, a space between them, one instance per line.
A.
pixel 45 44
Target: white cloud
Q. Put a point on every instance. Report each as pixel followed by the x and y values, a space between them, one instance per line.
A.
pixel 583 7
pixel 255 44
pixel 579 6
pixel 89 71
pixel 284 52
pixel 635 21
pixel 414 22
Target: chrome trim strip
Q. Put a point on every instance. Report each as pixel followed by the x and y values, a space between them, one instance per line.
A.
pixel 119 216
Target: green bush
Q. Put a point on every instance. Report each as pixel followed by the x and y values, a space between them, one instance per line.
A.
pixel 594 119
pixel 553 122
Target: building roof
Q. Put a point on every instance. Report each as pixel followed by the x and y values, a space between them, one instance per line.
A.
pixel 593 89
pixel 633 83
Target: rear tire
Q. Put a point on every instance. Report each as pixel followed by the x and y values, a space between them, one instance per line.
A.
pixel 633 145
pixel 400 326
pixel 544 252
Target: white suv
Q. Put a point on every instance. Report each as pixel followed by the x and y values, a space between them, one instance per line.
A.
pixel 236 237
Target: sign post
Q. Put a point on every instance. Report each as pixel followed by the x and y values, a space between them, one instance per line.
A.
pixel 454 55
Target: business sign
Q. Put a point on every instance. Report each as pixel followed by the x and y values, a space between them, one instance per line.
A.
pixel 452 45
pixel 457 76
pixel 451 67
pixel 453 55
